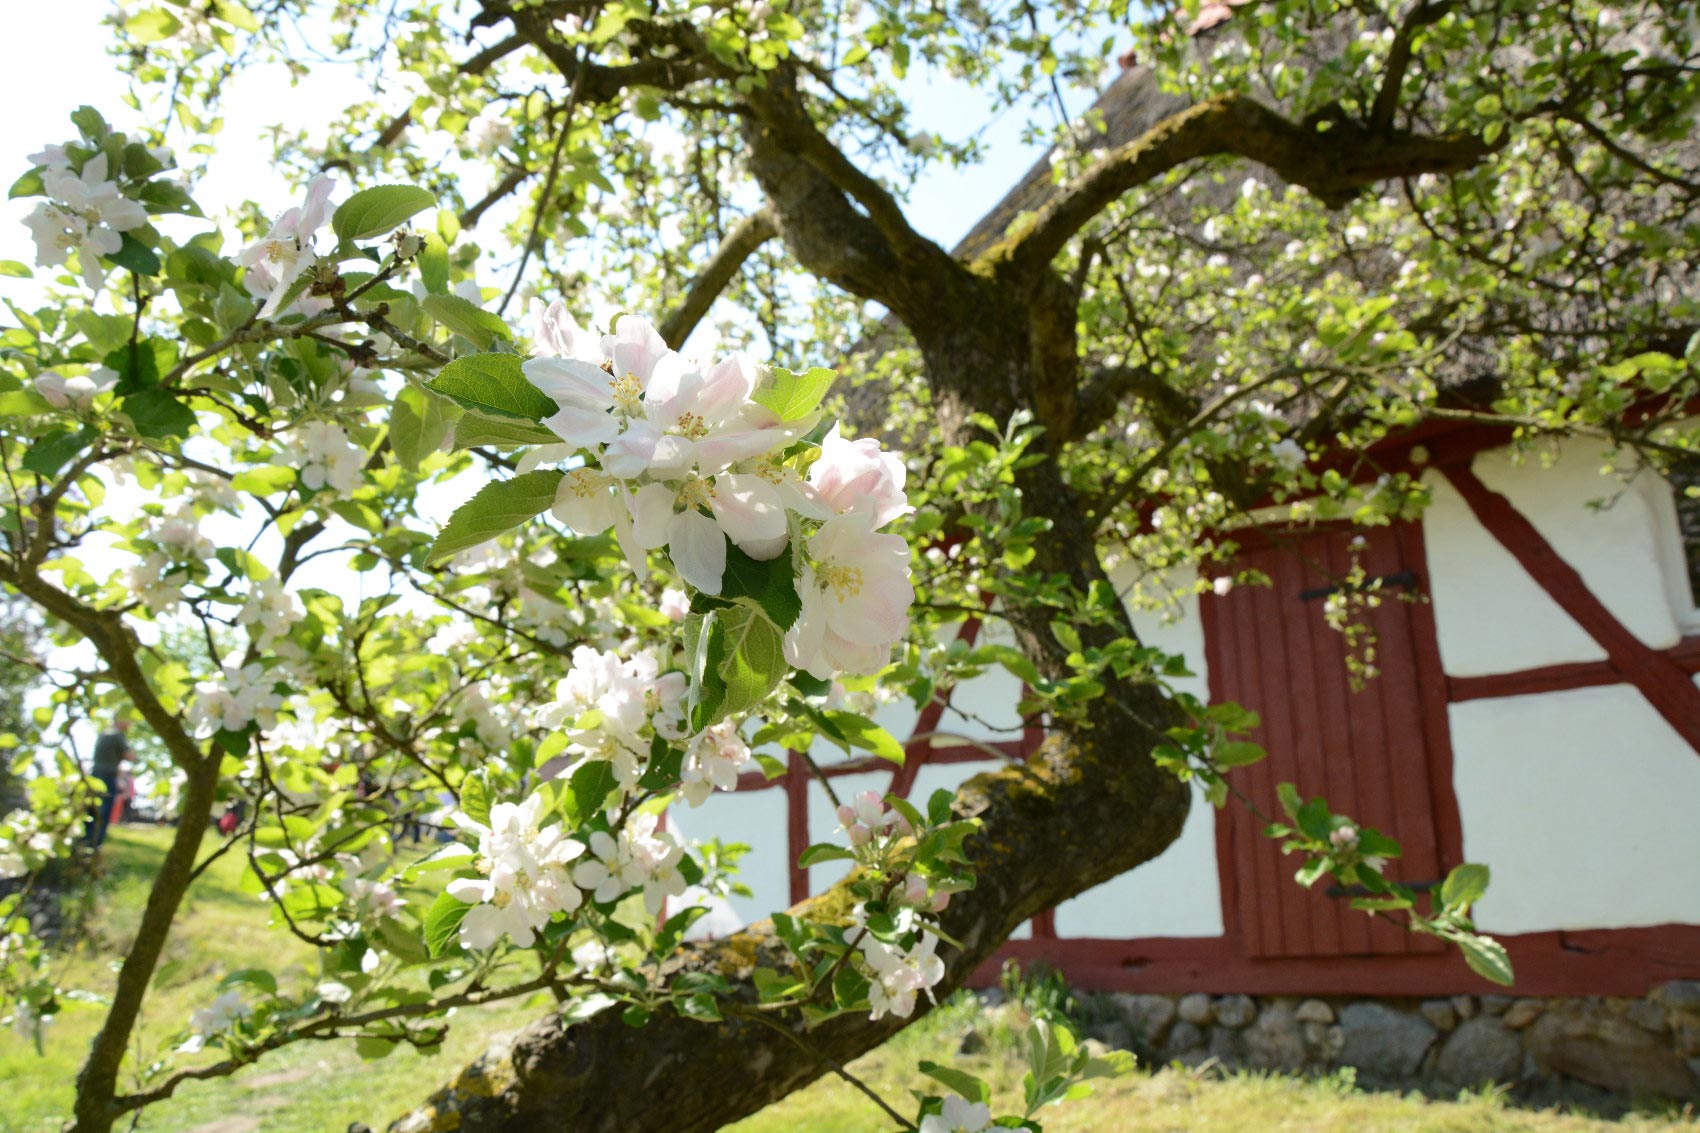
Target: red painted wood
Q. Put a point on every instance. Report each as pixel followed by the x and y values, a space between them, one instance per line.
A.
pixel 1437 726
pixel 1626 962
pixel 1665 683
pixel 1369 753
pixel 796 780
pixel 1685 654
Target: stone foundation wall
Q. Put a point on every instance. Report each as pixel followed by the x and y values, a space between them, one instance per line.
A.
pixel 1633 1048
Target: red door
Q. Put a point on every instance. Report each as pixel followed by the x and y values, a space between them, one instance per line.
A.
pixel 1379 754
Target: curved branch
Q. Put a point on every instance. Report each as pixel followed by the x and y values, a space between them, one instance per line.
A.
pixel 1334 159
pixel 739 245
pixel 1089 805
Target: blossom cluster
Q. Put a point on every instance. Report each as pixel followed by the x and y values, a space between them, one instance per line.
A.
pixel 279 259
pixel 241 696
pixel 903 962
pixel 86 212
pixel 684 456
pixel 524 879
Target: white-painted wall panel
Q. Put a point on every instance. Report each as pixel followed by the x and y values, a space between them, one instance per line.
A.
pixel 757 819
pixel 1489 615
pixel 1584 804
pixel 1616 533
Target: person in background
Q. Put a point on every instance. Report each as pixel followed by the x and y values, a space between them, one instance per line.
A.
pixel 110 751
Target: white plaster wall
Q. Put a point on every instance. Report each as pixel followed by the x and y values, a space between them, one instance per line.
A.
pixel 1493 618
pixel 1177 894
pixel 757 819
pixel 1586 806
pixel 1489 615
pixel 1620 547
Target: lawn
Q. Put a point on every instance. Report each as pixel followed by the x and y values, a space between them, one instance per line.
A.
pixel 321 1088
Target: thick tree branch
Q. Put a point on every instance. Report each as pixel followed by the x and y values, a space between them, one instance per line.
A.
pixel 1333 158
pixel 740 244
pixel 1088 806
pixel 1423 14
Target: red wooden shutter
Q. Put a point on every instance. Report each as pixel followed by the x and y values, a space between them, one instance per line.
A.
pixel 1367 752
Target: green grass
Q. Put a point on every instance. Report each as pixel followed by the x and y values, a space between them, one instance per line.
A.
pixel 314 1088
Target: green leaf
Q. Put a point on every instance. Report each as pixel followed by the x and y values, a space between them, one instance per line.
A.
pixel 263 479
pixel 434 264
pixel 156 414
pixel 135 255
pixel 823 852
pixel 791 395
pixel 737 659
pixel 587 789
pixel 962 1083
pixel 470 321
pixel 1486 956
pixel 673 931
pixel 29 185
pixel 1464 886
pixel 1238 753
pixel 378 210
pixel 861 732
pixel 770 584
pixel 56 449
pixel 499 506
pixel 164 196
pixel 90 124
pixel 494 384
pixel 419 422
pixel 13 269
pixel 442 922
pixel 475 798
pixel 475 430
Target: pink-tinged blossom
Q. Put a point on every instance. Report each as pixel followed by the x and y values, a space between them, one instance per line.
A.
pixel 859 476
pixel 74 392
pixel 640 855
pixel 675 604
pixel 280 258
pixel 556 334
pixel 899 975
pixel 856 596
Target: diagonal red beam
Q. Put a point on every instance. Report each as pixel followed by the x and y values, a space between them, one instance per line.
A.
pixel 1657 674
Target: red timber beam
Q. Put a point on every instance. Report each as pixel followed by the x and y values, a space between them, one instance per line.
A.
pixel 1658 674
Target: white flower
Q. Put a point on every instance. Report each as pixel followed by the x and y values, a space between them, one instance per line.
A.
pixel 620 700
pixel 865 817
pixel 1343 838
pixel 1288 453
pixel 899 975
pixel 84 213
pixel 489 131
pixel 585 501
pixel 220 1014
pixel 856 597
pixel 64 393
pixel 558 335
pixel 325 457
pixel 333 992
pixel 958 1115
pixel 270 612
pixel 243 696
pixel 675 604
pixel 694 520
pixel 638 856
pixel 712 761
pixel 525 880
pixel 858 476
pixel 284 254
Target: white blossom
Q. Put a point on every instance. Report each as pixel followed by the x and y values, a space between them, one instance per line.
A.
pixel 286 253
pixel 855 594
pixel 958 1115
pixel 326 458
pixel 525 880
pixel 859 476
pixel 712 761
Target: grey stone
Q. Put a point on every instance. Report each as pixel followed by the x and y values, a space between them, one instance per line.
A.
pixel 1593 1046
pixel 1235 1011
pixel 1274 1041
pixel 1495 1004
pixel 1113 1033
pixel 1647 1015
pixel 1227 1047
pixel 1523 1012
pixel 1679 997
pixel 1382 1042
pixel 1148 1017
pixel 972 1043
pixel 1440 1013
pixel 1322 1040
pixel 1196 1009
pixel 1688 1039
pixel 1480 1050
pixel 1314 1011
pixel 1183 1036
pixel 1465 1005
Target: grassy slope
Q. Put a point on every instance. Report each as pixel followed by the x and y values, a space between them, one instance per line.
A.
pixel 319 1087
